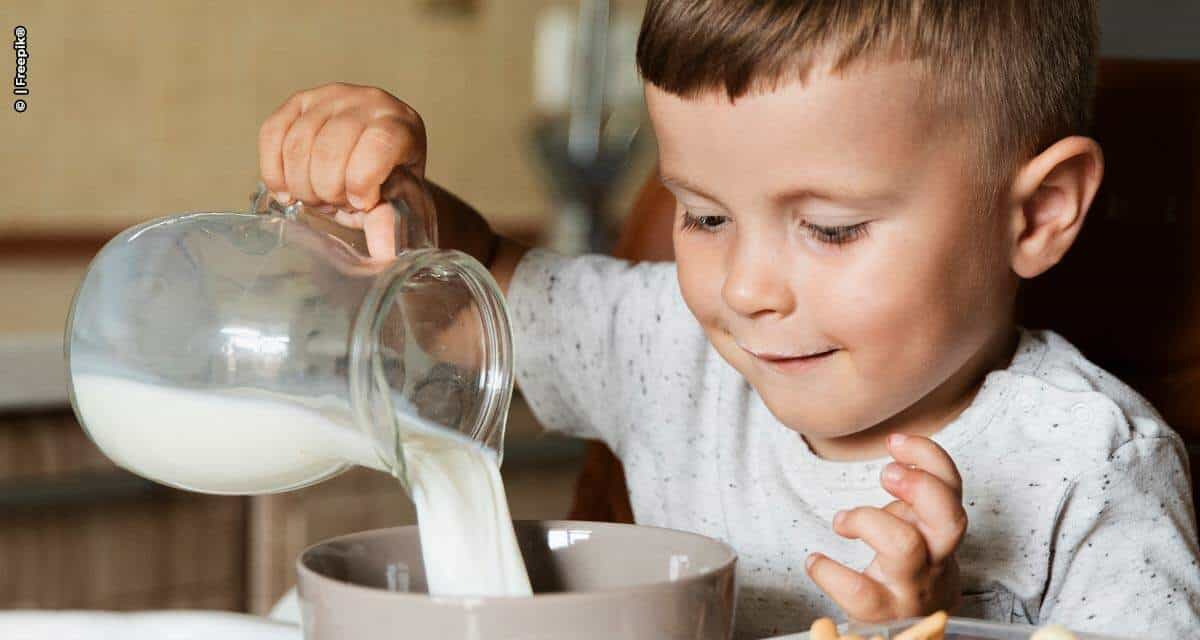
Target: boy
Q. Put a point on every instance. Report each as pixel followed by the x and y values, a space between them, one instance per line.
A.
pixel 861 186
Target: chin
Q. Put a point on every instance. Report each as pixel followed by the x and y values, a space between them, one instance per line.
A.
pixel 829 420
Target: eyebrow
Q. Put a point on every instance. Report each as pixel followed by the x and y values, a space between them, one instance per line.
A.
pixel 789 195
pixel 672 181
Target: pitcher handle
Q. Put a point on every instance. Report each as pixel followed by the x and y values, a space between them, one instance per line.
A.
pixel 406 217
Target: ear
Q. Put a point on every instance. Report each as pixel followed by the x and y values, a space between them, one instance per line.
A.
pixel 1050 198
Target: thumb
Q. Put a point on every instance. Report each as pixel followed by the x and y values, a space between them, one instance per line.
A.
pixel 379 227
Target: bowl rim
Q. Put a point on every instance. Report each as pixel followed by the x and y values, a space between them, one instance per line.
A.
pixel 728 565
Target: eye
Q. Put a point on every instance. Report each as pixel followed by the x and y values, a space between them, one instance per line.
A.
pixel 835 235
pixel 706 224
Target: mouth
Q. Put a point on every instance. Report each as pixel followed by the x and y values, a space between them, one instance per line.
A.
pixel 791 362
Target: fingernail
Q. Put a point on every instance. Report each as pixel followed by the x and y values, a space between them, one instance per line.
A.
pixel 284 197
pixel 893 473
pixel 808 562
pixel 838 518
pixel 355 202
pixel 896 439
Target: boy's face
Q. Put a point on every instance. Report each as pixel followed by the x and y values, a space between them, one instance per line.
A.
pixel 828 242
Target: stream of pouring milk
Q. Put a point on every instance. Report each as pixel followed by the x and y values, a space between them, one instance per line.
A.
pixel 250 441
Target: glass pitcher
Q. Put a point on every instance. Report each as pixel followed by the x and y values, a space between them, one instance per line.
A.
pixel 259 352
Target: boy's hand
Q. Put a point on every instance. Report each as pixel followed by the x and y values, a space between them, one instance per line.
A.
pixel 337 143
pixel 914 538
pixel 333 146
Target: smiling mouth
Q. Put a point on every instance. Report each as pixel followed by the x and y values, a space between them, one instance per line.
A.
pixel 791 363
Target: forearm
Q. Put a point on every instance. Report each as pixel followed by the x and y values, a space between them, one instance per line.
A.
pixel 461 227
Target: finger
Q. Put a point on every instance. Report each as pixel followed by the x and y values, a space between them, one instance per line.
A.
pixel 900 509
pixel 331 153
pixel 859 596
pixel 940 515
pixel 924 453
pixel 384 143
pixel 351 219
pixel 379 227
pixel 270 144
pixel 297 152
pixel 899 546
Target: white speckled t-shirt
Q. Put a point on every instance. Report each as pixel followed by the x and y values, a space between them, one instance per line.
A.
pixel 1077 494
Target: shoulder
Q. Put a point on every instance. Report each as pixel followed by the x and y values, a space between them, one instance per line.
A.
pixel 540 267
pixel 595 288
pixel 1064 404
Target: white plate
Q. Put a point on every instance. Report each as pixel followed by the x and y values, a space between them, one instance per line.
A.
pixel 156 625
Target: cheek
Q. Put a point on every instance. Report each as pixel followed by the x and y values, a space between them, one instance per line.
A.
pixel 699 266
pixel 920 306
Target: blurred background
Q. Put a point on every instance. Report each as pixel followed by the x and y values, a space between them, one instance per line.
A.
pixel 147 108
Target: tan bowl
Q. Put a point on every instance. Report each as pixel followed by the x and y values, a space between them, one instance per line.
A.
pixel 590 580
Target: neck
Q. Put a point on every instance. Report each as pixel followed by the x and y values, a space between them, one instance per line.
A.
pixel 932 412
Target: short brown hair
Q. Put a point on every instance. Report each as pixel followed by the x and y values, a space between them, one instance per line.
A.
pixel 1024 69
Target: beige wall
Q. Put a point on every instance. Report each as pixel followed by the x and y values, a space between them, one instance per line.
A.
pixel 142 108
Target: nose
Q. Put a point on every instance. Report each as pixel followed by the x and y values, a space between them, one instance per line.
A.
pixel 756 281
